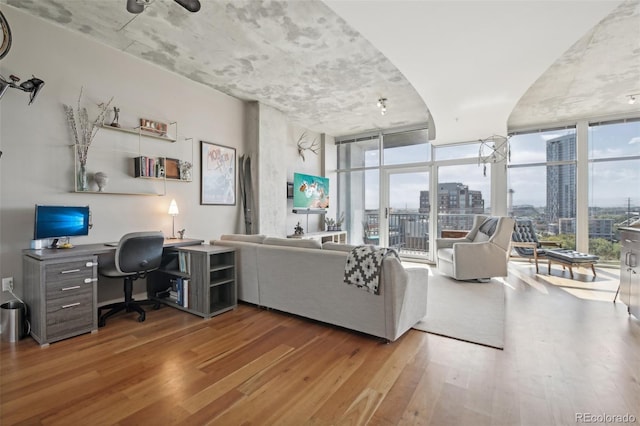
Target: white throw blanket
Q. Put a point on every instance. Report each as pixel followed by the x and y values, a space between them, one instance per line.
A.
pixel 363 267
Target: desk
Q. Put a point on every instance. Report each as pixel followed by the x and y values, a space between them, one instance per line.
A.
pixel 60 288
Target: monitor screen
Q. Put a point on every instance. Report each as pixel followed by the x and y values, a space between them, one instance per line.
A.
pixel 310 192
pixel 61 221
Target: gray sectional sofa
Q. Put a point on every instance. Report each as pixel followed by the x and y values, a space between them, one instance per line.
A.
pixel 304 278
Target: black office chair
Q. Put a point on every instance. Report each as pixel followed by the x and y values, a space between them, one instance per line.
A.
pixel 137 254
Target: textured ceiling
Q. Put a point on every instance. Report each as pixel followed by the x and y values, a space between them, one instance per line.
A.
pixel 296 56
pixel 479 65
pixel 593 78
pixel 477 59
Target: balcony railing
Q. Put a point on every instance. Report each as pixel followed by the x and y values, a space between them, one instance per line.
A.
pixel 409 232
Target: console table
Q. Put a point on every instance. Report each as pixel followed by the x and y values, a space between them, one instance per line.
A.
pixel 324 237
pixel 60 288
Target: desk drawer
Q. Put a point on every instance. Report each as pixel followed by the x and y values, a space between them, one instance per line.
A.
pixel 72 288
pixel 70 314
pixel 69 272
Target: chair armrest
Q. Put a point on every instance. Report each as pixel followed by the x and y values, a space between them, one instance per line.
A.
pixel 524 244
pixel 551 243
pixel 449 242
pixel 482 252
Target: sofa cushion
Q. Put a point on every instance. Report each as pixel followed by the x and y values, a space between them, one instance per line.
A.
pixel 292 242
pixel 329 245
pixel 255 238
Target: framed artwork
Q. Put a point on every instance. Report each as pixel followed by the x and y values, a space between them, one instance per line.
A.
pixel 218 174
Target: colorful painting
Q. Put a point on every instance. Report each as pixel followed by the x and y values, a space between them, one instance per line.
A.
pixel 218 168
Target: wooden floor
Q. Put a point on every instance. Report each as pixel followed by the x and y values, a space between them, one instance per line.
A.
pixel 569 350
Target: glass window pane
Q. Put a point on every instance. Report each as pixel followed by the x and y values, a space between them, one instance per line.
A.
pixel 408 222
pixel 359 199
pixel 614 201
pixel 406 147
pixel 455 152
pixel 614 140
pixel 364 153
pixel 463 191
pixel 552 145
pixel 545 194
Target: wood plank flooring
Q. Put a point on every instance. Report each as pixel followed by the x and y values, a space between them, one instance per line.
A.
pixel 569 350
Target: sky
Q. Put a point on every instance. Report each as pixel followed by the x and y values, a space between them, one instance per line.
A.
pixel 611 183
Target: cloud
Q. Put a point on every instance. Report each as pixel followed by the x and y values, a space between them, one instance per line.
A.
pixel 634 140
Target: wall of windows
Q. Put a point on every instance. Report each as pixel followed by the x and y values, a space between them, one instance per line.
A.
pixel 372 174
pixel 614 184
pixel 387 188
pixel 579 184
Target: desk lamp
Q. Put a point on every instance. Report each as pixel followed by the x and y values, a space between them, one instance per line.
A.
pixel 173 211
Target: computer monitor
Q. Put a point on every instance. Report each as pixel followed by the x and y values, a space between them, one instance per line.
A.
pixel 60 222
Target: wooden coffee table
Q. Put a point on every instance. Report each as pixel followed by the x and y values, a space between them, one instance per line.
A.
pixel 571 258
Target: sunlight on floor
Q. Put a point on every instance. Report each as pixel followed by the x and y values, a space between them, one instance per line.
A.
pixel 584 285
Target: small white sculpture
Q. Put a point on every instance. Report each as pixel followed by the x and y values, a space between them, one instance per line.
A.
pixel 101 179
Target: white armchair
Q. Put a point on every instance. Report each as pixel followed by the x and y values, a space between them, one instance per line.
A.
pixel 483 253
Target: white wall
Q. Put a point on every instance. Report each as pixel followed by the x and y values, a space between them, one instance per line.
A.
pixel 278 160
pixel 37 163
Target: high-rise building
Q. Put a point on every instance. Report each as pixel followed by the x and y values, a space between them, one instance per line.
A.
pixel 425 204
pixel 459 203
pixel 561 178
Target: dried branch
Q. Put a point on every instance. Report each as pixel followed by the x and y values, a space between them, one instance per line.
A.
pixel 82 129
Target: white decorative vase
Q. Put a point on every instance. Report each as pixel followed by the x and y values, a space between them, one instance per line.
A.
pixel 101 180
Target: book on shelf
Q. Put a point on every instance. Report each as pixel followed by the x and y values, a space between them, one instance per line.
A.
pixel 149 166
pixel 179 291
pixel 184 262
pixel 179 283
pixel 185 292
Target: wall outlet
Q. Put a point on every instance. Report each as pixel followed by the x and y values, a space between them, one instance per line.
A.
pixel 7 284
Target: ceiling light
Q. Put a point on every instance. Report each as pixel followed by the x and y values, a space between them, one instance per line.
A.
pixel 632 99
pixel 382 104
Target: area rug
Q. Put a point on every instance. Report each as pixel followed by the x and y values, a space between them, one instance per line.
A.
pixel 468 311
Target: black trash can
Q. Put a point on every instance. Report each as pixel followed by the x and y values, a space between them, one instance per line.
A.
pixel 13 320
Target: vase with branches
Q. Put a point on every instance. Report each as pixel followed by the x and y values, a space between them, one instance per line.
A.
pixel 84 131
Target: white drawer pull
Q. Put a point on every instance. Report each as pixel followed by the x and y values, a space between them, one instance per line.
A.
pixel 70 305
pixel 70 271
pixel 90 280
pixel 90 264
pixel 71 288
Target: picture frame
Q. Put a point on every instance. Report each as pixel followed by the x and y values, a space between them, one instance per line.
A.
pixel 217 174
